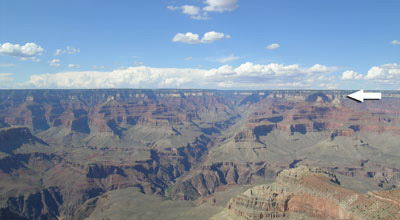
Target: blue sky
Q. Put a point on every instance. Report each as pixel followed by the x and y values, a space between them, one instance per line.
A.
pixel 219 44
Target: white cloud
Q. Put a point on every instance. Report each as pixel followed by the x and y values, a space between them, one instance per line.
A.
pixel 318 68
pixel 212 36
pixel 273 69
pixel 396 42
pixel 273 46
pixel 190 38
pixel 387 73
pixel 74 66
pixel 188 58
pixel 29 51
pixel 138 77
pixel 220 5
pixel 193 11
pixel 190 10
pixel 247 75
pixel 68 50
pixel 227 58
pixel 350 74
pixel 7 65
pixel 54 62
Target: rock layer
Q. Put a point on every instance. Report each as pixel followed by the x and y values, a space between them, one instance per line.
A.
pixel 311 193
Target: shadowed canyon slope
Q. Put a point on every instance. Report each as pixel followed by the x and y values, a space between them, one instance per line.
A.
pixel 63 152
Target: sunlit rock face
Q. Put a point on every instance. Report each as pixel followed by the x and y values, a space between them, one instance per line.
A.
pixel 310 193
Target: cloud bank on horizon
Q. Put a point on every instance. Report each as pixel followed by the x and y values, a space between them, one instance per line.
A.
pixel 247 75
pixel 215 44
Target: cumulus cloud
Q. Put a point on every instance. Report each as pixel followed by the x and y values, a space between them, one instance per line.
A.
pixel 273 69
pixel 193 11
pixel 137 77
pixel 384 75
pixel 220 5
pixel 318 68
pixel 247 75
pixel 350 74
pixel 273 46
pixel 212 36
pixel 190 38
pixel 54 62
pixel 387 73
pixel 396 42
pixel 29 51
pixel 190 10
pixel 67 50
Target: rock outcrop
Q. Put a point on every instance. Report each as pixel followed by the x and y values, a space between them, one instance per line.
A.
pixel 311 193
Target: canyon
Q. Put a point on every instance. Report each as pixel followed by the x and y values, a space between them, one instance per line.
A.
pixel 65 154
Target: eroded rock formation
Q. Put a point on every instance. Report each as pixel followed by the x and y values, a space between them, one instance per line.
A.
pixel 311 193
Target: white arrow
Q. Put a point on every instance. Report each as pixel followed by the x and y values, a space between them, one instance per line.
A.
pixel 361 95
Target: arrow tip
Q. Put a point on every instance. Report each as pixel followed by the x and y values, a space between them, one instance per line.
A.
pixel 358 96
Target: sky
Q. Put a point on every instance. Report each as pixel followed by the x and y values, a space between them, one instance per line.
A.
pixel 207 44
